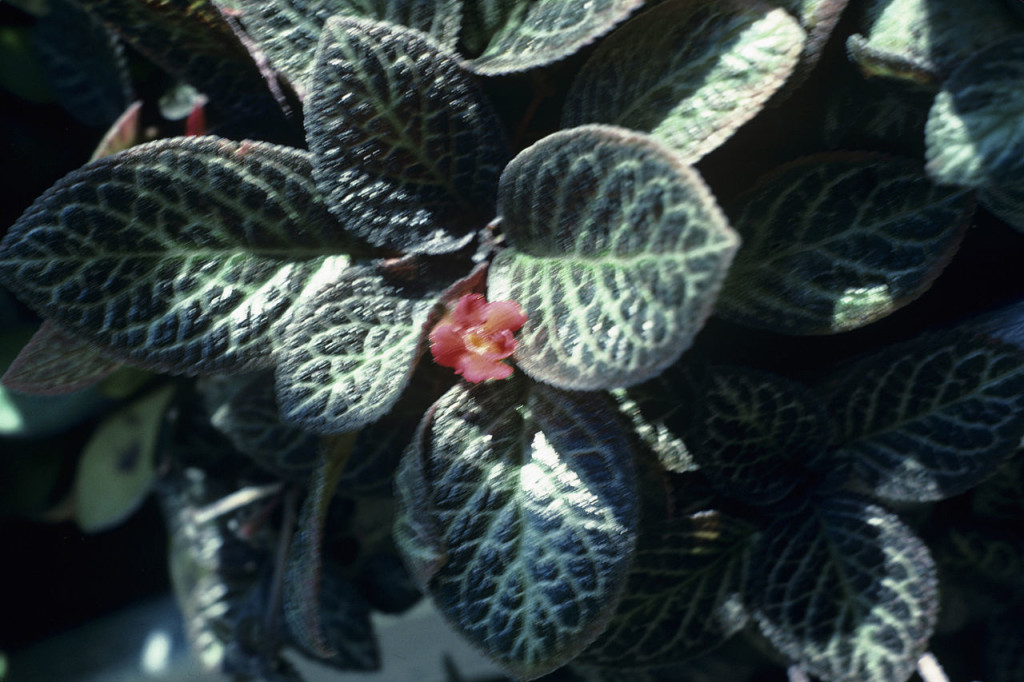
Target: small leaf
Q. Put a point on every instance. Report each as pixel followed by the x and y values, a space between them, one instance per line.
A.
pixel 923 41
pixel 689 72
pixel 181 255
pixel 930 418
pixel 351 346
pixel 975 135
pixel 54 363
pixel 405 149
pixel 617 251
pixel 658 412
pixel 683 596
pixel 835 242
pixel 526 495
pixel 288 30
pixel 523 34
pixel 124 133
pixel 752 431
pixel 118 464
pixel 846 590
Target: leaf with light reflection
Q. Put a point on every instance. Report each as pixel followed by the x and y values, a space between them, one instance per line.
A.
pixel 527 496
pixel 836 241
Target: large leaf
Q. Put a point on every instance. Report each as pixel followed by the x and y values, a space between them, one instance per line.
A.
pixel 516 35
pixel 975 131
pixel 846 590
pixel 689 72
pixel 192 41
pixel 752 432
pixel 617 251
pixel 924 40
pixel 351 347
pixel 931 418
pixel 683 596
pixel 525 497
pixel 288 30
pixel 837 241
pixel 180 255
pixel 405 149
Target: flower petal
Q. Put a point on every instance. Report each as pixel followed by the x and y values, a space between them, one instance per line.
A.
pixel 476 368
pixel 447 345
pixel 502 315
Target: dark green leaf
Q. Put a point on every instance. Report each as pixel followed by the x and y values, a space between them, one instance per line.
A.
pixel 288 30
pixel 1004 657
pixel 974 134
pixel 351 346
pixel 617 253
pixel 683 595
pixel 689 72
pixel 834 242
pixel 192 41
pixel 518 512
pixel 405 149
pixel 655 410
pixel 930 418
pixel 1006 203
pixel 180 255
pixel 523 34
pixel 924 40
pixel 53 362
pixel 846 590
pixel 752 431
pixel 85 64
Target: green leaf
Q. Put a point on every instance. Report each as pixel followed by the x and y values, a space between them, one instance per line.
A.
pixel 752 431
pixel 923 41
pixel 517 510
pixel 846 591
pixel 405 149
pixel 834 242
pixel 932 417
pixel 288 30
pixel 818 19
pixel 656 410
pixel 193 42
pixel 181 255
pixel 54 363
pixel 523 34
pixel 122 134
pixel 974 134
pixel 683 595
pixel 689 72
pixel 85 64
pixel 617 251
pixel 351 346
pixel 119 463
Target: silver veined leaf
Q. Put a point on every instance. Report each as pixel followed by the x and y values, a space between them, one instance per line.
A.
pixel 616 253
pixel 523 34
pixel 406 150
pixel 847 591
pixel 351 346
pixel 525 497
pixel 930 418
pixel 688 72
pixel 834 242
pixel 923 41
pixel 181 255
pixel 818 19
pixel 975 131
pixel 54 362
pixel 118 465
pixel 288 30
pixel 683 597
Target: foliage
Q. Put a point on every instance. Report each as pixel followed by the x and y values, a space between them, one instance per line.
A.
pixel 553 198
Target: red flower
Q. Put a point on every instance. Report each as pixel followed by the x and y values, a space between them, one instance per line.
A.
pixel 476 336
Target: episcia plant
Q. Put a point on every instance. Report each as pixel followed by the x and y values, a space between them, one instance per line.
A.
pixel 448 344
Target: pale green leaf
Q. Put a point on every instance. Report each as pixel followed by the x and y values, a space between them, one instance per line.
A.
pixel 835 242
pixel 122 134
pixel 616 253
pixel 523 497
pixel 688 72
pixel 523 34
pixel 181 255
pixel 119 463
pixel 975 131
pixel 406 150
pixel 932 417
pixel 846 590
